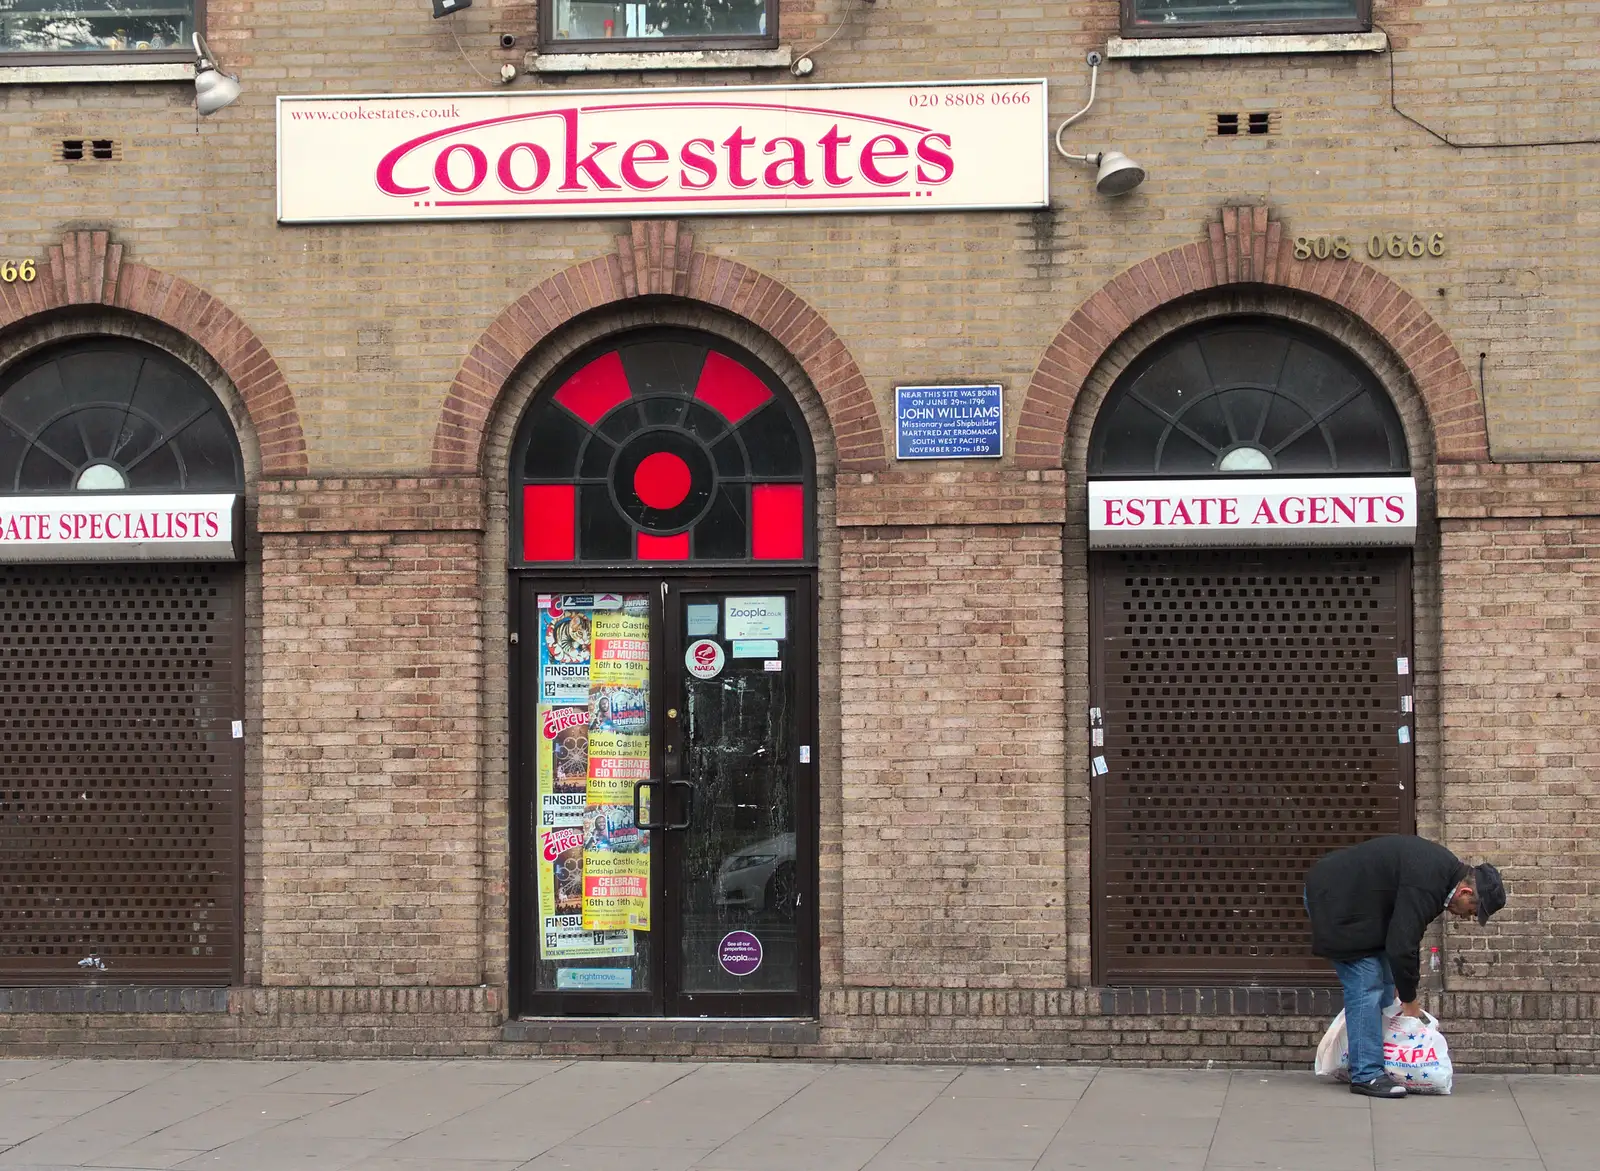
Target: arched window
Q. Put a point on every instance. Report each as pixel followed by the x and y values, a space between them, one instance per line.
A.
pixel 112 414
pixel 663 446
pixel 1247 395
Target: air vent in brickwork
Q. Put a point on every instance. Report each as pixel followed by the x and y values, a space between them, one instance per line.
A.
pixel 89 150
pixel 1259 122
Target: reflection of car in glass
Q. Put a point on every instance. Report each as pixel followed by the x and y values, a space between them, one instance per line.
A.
pixel 760 877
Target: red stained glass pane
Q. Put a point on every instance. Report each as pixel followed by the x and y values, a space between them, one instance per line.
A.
pixel 729 388
pixel 662 480
pixel 595 389
pixel 548 531
pixel 663 548
pixel 777 522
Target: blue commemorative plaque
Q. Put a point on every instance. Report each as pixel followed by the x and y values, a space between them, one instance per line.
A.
pixel 947 422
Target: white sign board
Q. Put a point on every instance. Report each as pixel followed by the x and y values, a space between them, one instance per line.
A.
pixel 756 618
pixel 117 527
pixel 933 146
pixel 1346 510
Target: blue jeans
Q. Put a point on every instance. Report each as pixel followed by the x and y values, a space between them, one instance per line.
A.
pixel 1368 987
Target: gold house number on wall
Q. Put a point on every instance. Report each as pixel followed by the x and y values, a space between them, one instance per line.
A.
pixel 12 271
pixel 1395 245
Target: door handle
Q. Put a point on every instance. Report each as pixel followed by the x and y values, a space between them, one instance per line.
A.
pixel 688 804
pixel 638 817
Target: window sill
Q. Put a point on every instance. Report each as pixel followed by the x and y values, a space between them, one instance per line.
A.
pixel 635 62
pixel 1130 48
pixel 65 74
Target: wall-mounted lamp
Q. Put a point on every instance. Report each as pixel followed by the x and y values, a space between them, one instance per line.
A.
pixel 1116 173
pixel 213 89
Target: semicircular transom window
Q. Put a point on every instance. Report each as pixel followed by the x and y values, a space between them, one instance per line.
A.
pixel 110 415
pixel 663 446
pixel 1247 396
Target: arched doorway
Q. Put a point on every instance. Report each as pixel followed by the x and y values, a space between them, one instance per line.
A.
pixel 663 562
pixel 121 670
pixel 1251 517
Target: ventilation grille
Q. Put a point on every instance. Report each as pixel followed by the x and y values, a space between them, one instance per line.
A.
pixel 90 150
pixel 1252 712
pixel 1257 122
pixel 119 775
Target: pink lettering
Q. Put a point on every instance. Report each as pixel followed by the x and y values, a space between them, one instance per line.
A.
pixel 476 159
pixel 1264 514
pixel 1180 509
pixel 1319 510
pixel 1394 509
pixel 736 142
pixel 1348 508
pixel 892 148
pixel 541 167
pixel 631 160
pixel 697 160
pixel 1114 514
pixel 1292 511
pixel 588 164
pixel 930 156
pixel 831 142
pixel 1136 512
pixel 796 163
pixel 1230 510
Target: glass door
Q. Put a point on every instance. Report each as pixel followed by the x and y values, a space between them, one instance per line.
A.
pixel 665 826
pixel 741 875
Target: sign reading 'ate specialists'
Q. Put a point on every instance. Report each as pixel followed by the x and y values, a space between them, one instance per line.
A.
pixel 1346 510
pixel 117 527
pixel 936 146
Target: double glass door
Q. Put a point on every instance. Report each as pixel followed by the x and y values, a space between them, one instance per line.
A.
pixel 665 806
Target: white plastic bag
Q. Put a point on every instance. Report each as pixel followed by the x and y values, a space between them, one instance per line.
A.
pixel 1415 1052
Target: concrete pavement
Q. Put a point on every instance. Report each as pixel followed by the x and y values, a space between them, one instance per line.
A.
pixel 542 1115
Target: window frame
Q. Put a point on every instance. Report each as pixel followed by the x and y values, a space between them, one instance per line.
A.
pixel 1361 23
pixel 549 43
pixel 180 54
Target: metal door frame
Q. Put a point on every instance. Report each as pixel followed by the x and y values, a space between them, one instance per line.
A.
pixel 662 583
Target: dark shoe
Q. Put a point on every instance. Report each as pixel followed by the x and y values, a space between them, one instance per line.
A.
pixel 1381 1087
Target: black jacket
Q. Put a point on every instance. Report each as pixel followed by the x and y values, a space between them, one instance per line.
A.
pixel 1378 898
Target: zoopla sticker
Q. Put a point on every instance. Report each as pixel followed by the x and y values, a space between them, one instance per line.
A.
pixel 704 658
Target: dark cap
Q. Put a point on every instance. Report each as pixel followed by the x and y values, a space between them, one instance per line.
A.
pixel 1491 891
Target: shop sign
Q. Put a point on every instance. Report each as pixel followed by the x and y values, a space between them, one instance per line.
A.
pixel 947 422
pixel 929 146
pixel 1347 510
pixel 119 527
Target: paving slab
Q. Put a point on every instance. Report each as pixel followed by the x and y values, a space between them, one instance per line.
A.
pixel 546 1113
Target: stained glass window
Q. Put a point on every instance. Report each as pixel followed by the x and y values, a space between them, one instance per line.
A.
pixel 1247 395
pixel 663 446
pixel 110 414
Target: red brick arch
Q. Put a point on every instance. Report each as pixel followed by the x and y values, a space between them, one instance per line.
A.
pixel 1245 247
pixel 658 257
pixel 86 269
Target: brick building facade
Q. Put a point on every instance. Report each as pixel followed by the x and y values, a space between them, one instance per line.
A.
pixel 950 830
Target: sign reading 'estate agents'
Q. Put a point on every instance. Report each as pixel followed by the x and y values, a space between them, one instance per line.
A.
pixel 947 422
pixel 933 146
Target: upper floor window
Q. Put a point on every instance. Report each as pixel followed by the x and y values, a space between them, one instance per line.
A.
pixel 87 31
pixel 593 26
pixel 1189 18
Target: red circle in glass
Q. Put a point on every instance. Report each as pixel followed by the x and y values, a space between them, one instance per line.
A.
pixel 661 480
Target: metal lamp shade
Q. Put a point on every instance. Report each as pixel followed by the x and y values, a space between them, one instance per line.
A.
pixel 214 90
pixel 1118 174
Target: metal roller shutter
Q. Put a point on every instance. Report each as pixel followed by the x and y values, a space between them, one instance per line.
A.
pixel 1252 712
pixel 120 777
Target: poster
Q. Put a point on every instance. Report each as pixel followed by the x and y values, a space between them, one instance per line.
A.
pixel 562 934
pixel 616 870
pixel 591 747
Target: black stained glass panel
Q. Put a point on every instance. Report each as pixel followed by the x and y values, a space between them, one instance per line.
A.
pixel 724 534
pixel 1302 400
pixel 673 444
pixel 117 402
pixel 555 438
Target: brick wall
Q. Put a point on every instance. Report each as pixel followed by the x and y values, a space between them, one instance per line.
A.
pixel 371 862
pixel 954 866
pixel 1520 694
